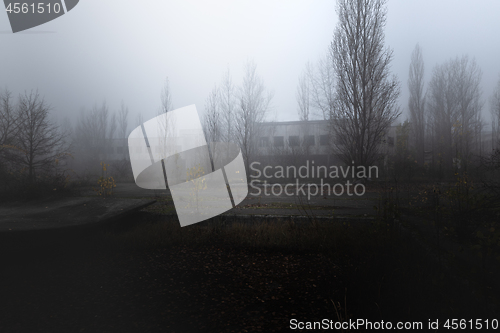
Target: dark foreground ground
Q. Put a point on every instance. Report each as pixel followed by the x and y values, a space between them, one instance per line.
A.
pixel 149 275
pixel 69 282
pixel 143 273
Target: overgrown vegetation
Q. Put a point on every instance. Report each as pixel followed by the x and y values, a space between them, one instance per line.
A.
pixel 106 184
pixel 455 221
pixel 386 274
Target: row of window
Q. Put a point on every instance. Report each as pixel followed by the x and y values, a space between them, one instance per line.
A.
pixel 278 141
pixel 294 141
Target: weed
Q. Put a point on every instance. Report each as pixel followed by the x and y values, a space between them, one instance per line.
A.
pixel 106 184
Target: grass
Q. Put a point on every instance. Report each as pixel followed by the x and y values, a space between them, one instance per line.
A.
pixel 387 275
pixel 151 274
pixel 254 276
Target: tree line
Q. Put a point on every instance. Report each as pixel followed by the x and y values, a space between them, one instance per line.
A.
pixel 31 144
pixel 352 89
pixel 234 113
pixel 37 152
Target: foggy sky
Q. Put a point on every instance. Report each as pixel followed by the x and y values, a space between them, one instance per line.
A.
pixel 118 50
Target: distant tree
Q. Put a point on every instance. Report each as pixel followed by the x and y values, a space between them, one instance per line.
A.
pixel 227 104
pixel 93 133
pixel 302 95
pixel 165 127
pixel 403 158
pixel 166 98
pixel 113 125
pixel 416 102
pixel 41 143
pixel 254 104
pixel 454 105
pixel 9 124
pixel 123 121
pixel 441 106
pixel 469 123
pixel 212 120
pixel 365 99
pixel 322 86
pixel 495 116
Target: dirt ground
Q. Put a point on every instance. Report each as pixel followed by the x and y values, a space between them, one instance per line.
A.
pixel 74 286
pixel 72 280
pixel 65 212
pixel 267 203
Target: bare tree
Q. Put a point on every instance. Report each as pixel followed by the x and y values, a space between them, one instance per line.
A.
pixel 365 103
pixel 123 121
pixel 495 116
pixel 40 141
pixel 454 109
pixel 93 133
pixel 254 104
pixel 322 86
pixel 166 124
pixel 302 95
pixel 227 103
pixel 113 125
pixel 416 102
pixel 166 98
pixel 440 105
pixel 212 120
pixel 9 124
pixel 469 122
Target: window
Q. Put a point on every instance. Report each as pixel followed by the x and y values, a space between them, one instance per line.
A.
pixel 279 141
pixel 309 140
pixel 293 141
pixel 390 141
pixel 323 140
pixel 264 142
pixel 119 150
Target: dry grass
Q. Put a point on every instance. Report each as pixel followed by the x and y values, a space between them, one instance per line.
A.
pixel 388 275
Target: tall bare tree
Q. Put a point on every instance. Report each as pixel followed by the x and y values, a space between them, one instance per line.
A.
pixel 454 108
pixel 302 95
pixel 93 133
pixel 166 97
pixel 416 102
pixel 9 123
pixel 166 125
pixel 40 141
pixel 365 103
pixel 227 105
pixel 113 125
pixel 440 105
pixel 212 120
pixel 322 85
pixel 495 116
pixel 254 104
pixel 470 104
pixel 123 121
